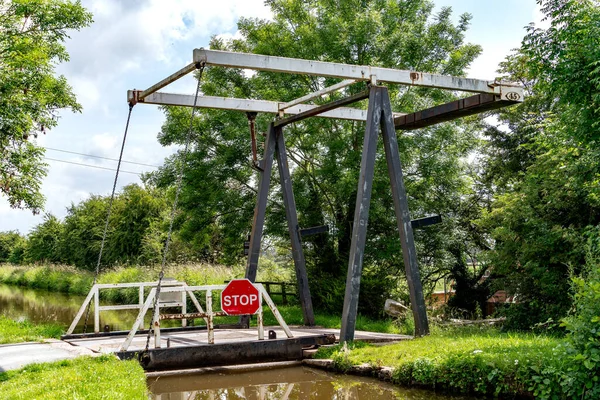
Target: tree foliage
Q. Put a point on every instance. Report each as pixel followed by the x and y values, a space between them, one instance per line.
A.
pixel 44 241
pixel 32 33
pixel 8 242
pixel 544 170
pixel 136 232
pixel 218 196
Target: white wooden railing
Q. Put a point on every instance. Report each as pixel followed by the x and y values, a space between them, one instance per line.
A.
pixel 172 294
pixel 94 294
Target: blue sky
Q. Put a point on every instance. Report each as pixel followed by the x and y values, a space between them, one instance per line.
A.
pixel 133 44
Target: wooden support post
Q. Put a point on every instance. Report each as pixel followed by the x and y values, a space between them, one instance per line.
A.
pixel 380 114
pixel 361 217
pixel 259 211
pixel 283 294
pixel 409 253
pixel 294 230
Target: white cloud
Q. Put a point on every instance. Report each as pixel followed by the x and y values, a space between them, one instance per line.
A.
pixel 104 142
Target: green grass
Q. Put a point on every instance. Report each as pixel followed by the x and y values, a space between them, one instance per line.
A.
pixel 15 332
pixel 103 377
pixel 471 360
pixel 292 315
pixel 55 278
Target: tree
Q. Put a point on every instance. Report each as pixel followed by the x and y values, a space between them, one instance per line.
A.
pixel 219 186
pixel 44 241
pixel 135 211
pixel 136 228
pixel 545 170
pixel 32 33
pixel 8 242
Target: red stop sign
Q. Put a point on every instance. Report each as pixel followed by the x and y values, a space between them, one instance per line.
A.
pixel 240 297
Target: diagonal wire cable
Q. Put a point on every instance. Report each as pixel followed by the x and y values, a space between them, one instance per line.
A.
pixel 174 208
pixel 112 197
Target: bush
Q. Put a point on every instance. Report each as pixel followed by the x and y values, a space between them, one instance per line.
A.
pixel 582 377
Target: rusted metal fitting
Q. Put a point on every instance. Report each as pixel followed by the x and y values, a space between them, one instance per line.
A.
pixel 133 97
pixel 251 122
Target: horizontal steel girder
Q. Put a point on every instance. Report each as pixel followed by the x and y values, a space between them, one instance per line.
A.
pixel 248 105
pixel 338 70
pixel 319 110
pixel 455 109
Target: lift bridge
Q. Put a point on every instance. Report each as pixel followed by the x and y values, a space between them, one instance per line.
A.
pixel 488 95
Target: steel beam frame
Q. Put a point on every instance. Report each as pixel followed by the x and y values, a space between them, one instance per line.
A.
pixel 247 105
pixel 294 229
pixel 456 109
pixel 490 95
pixel 380 117
pixel 314 95
pixel 338 70
pixel 275 146
pixel 322 109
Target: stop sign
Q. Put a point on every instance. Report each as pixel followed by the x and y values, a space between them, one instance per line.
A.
pixel 240 297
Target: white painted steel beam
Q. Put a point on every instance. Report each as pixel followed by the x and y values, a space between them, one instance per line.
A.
pixel 313 95
pixel 338 70
pixel 170 79
pixel 249 105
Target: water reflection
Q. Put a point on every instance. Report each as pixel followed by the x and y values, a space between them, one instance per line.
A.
pixel 282 384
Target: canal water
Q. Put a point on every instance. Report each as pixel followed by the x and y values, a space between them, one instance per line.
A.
pixel 293 383
pixel 40 306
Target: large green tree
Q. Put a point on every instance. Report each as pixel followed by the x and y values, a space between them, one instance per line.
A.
pixel 32 33
pixel 219 186
pixel 544 170
pixel 44 241
pixel 135 235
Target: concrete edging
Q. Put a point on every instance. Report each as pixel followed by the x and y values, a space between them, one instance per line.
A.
pixel 382 373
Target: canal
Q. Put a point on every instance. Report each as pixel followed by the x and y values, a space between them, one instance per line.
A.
pixel 300 383
pixel 39 306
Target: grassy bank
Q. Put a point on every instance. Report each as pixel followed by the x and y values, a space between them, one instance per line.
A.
pixel 23 331
pixel 292 315
pixel 74 281
pixel 467 361
pixel 103 377
pixel 66 279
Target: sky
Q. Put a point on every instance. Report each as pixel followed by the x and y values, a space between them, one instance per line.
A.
pixel 133 44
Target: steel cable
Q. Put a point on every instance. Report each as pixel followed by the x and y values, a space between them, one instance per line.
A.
pixel 109 212
pixel 180 172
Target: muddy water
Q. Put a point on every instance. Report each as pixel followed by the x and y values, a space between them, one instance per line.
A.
pixel 288 383
pixel 40 306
